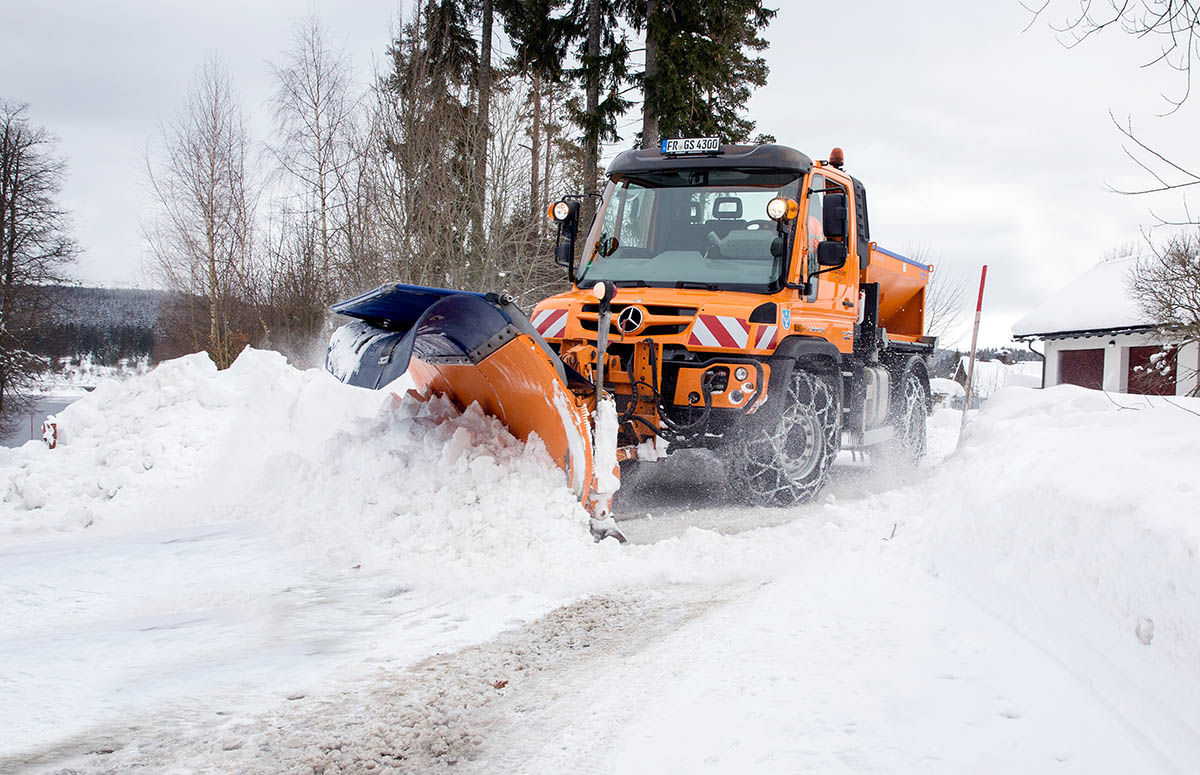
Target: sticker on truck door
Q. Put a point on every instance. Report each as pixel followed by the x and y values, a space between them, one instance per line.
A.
pixel 786 314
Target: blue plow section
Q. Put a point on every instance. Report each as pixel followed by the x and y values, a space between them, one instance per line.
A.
pixel 398 321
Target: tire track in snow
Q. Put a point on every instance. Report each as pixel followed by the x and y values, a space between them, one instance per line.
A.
pixel 439 714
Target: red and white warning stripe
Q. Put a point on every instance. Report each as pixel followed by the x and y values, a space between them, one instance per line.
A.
pixel 550 322
pixel 719 331
pixel 767 336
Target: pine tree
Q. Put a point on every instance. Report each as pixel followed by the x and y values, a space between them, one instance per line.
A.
pixel 700 66
pixel 603 72
pixel 430 136
pixel 483 127
pixel 539 33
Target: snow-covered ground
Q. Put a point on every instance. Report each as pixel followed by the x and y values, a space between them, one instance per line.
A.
pixel 262 570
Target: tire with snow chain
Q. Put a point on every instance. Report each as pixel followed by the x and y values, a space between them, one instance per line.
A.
pixel 908 417
pixel 788 461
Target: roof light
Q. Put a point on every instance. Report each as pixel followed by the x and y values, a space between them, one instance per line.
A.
pixel 837 158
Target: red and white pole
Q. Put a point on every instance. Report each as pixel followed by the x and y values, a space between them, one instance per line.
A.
pixel 974 341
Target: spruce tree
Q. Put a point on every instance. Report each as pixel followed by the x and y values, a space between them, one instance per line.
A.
pixel 700 66
pixel 603 72
pixel 539 33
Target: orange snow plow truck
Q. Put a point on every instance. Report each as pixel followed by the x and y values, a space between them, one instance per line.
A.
pixel 726 296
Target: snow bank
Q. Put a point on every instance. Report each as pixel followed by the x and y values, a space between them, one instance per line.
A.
pixel 1035 608
pixel 1079 502
pixel 352 476
pixel 346 476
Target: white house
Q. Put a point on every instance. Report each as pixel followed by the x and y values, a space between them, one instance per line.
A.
pixel 1096 337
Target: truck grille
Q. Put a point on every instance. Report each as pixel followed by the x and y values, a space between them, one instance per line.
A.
pixel 589 319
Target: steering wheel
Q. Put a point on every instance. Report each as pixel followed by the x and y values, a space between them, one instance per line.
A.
pixel 761 225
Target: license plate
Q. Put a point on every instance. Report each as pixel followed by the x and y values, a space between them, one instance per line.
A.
pixel 692 145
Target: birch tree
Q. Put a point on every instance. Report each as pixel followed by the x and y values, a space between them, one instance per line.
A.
pixel 314 113
pixel 201 237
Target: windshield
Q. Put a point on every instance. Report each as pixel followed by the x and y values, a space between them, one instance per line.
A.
pixel 691 228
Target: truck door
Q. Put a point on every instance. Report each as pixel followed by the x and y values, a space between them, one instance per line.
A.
pixel 835 297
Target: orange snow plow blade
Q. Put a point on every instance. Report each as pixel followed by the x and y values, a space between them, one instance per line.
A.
pixel 473 348
pixel 519 387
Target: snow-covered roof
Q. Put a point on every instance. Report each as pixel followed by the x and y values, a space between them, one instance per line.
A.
pixel 1098 300
pixel 941 386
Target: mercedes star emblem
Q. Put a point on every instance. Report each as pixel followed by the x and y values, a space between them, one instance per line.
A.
pixel 630 320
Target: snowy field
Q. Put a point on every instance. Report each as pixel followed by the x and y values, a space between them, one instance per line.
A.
pixel 264 571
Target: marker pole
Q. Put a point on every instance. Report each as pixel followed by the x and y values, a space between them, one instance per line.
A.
pixel 974 341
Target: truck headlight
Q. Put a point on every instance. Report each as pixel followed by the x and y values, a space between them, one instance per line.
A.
pixel 780 208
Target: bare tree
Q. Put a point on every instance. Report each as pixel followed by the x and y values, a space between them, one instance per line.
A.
pixel 1173 24
pixel 315 113
pixel 35 245
pixel 1166 288
pixel 202 235
pixel 946 299
pixel 1167 174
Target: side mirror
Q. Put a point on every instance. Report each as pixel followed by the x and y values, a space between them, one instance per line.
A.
pixel 835 215
pixel 831 254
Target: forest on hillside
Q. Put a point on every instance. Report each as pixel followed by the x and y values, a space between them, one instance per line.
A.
pixel 106 325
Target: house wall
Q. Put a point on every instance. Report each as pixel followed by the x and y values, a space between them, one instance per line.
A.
pixel 1116 359
pixel 1188 369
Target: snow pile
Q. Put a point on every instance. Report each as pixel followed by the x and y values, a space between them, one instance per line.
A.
pixel 1032 605
pixel 1078 500
pixel 352 476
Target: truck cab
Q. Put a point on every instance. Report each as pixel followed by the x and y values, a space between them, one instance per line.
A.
pixel 730 269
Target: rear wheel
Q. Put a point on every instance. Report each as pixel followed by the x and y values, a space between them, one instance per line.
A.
pixel 788 461
pixel 908 418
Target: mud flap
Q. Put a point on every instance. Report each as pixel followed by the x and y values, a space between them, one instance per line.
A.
pixel 471 348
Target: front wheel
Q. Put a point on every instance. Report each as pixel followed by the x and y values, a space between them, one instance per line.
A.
pixel 788 461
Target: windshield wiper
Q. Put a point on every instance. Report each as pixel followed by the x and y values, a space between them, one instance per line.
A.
pixel 696 284
pixel 630 283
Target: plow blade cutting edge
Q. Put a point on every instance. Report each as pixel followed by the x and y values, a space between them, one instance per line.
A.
pixel 470 348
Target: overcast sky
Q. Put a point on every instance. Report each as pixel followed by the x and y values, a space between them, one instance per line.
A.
pixel 977 143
